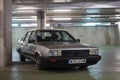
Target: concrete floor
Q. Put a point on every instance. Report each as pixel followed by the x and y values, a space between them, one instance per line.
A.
pixel 107 69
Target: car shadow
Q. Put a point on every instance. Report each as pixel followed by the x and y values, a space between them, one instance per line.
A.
pixel 65 73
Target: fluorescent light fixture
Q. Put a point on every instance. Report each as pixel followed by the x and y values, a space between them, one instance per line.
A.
pixel 61 0
pixel 27 7
pixel 23 19
pixel 34 24
pixel 117 15
pixel 34 17
pixel 93 11
pixel 62 10
pixel 94 16
pixel 25 25
pixel 14 25
pixel 91 24
pixel 87 18
pixel 94 24
pixel 24 11
pixel 61 18
pixel 47 24
pixel 102 6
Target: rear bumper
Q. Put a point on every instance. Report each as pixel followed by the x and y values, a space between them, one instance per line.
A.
pixel 63 61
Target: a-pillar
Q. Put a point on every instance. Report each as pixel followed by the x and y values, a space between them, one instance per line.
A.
pixel 5 33
pixel 41 19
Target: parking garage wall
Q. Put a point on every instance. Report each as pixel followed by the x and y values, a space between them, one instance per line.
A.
pixel 90 35
pixel 98 35
pixel 18 32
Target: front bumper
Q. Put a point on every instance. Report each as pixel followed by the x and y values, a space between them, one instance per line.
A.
pixel 63 61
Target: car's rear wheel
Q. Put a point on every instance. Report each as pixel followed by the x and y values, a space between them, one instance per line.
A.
pixel 22 58
pixel 39 63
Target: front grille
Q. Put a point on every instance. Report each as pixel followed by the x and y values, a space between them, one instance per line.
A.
pixel 75 53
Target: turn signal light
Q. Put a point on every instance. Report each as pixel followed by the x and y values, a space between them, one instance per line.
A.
pixel 53 60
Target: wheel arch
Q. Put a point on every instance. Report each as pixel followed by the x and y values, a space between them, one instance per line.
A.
pixel 37 53
pixel 18 50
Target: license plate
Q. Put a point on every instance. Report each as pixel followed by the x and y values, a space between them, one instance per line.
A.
pixel 76 61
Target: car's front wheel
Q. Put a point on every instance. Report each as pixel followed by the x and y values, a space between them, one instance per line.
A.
pixel 83 67
pixel 39 63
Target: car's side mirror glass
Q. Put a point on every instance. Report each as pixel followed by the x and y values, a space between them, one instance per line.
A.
pixel 77 40
pixel 31 41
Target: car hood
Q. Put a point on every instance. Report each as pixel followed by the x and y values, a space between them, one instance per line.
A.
pixel 66 45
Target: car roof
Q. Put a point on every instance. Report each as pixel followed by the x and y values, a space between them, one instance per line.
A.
pixel 47 30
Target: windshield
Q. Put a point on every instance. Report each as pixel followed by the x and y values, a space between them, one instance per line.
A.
pixel 46 36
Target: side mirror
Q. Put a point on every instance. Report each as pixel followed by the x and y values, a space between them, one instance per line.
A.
pixel 77 40
pixel 31 41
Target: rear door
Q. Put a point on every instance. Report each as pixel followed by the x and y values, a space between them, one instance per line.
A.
pixel 25 42
pixel 31 45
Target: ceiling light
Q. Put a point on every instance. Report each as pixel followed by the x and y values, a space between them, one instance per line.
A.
pixel 93 15
pixel 34 17
pixel 87 18
pixel 24 11
pixel 61 0
pixel 47 24
pixel 14 25
pixel 91 24
pixel 117 15
pixel 61 18
pixel 27 7
pixel 34 24
pixel 93 10
pixel 102 6
pixel 23 19
pixel 61 10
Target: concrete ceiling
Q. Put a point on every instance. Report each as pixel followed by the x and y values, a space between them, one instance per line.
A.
pixel 78 11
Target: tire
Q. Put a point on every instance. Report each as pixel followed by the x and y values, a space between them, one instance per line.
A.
pixel 83 67
pixel 22 58
pixel 39 63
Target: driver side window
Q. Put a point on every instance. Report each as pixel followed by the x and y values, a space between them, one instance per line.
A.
pixel 66 37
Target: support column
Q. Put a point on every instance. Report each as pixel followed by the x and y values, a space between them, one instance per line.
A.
pixel 119 31
pixel 117 35
pixel 5 33
pixel 41 19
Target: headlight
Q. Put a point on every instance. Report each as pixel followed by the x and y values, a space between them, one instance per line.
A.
pixel 55 53
pixel 93 51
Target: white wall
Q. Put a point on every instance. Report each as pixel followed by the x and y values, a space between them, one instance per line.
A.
pixel 90 35
pixel 95 35
pixel 17 33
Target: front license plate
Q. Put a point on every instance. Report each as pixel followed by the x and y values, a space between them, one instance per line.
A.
pixel 76 61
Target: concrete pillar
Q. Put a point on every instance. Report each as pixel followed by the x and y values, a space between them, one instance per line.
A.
pixel 119 31
pixel 5 33
pixel 117 35
pixel 41 19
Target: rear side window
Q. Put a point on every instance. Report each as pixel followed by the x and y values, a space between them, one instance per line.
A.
pixel 33 35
